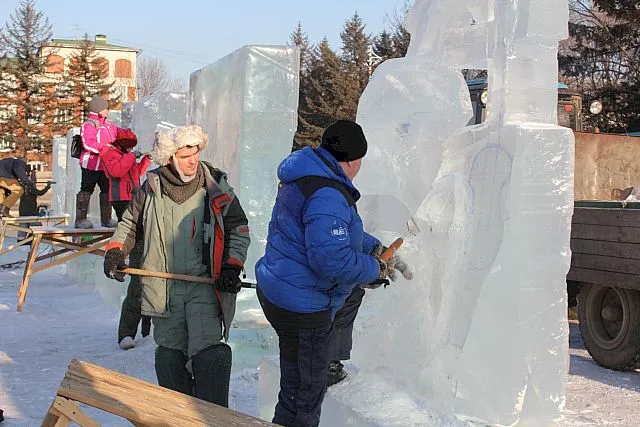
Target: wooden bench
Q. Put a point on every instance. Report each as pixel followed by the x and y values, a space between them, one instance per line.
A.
pixel 20 225
pixel 57 237
pixel 140 402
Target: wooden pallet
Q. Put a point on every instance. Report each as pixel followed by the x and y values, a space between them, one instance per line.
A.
pixel 140 402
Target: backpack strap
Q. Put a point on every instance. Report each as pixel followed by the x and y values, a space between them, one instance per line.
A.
pixel 310 184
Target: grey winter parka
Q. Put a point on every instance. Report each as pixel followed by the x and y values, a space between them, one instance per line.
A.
pixel 226 235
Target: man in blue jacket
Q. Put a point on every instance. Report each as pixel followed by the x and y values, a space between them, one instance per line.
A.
pixel 317 252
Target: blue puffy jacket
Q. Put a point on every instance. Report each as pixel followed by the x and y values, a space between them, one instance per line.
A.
pixel 317 249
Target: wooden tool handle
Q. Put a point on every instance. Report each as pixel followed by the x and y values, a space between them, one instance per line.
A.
pixel 388 253
pixel 163 275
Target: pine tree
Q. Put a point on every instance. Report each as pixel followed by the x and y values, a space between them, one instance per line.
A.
pixel 355 51
pixel 324 100
pixel 29 98
pixel 87 74
pixel 602 59
pixel 299 38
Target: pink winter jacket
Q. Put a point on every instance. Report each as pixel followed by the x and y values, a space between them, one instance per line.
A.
pixel 93 139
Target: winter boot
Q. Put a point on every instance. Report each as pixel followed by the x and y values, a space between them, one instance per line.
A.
pixel 127 343
pixel 4 211
pixel 336 373
pixel 105 212
pixel 211 373
pixel 171 370
pixel 82 209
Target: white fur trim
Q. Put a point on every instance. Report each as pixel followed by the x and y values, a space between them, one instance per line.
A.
pixel 169 141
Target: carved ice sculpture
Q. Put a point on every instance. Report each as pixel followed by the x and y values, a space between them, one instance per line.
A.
pixel 481 332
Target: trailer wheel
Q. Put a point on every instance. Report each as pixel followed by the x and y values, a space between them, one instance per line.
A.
pixel 610 325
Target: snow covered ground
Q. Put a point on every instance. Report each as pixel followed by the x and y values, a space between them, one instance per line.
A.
pixel 62 321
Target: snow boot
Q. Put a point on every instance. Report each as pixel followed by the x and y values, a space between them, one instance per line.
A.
pixel 127 343
pixel 171 370
pixel 106 211
pixel 82 209
pixel 4 211
pixel 336 373
pixel 211 373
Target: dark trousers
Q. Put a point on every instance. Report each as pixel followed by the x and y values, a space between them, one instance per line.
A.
pixel 92 178
pixel 342 340
pixel 120 206
pixel 305 341
pixel 130 315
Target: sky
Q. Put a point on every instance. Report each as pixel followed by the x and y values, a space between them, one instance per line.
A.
pixel 189 34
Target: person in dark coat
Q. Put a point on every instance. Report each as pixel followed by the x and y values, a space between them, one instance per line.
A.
pixel 317 252
pixel 29 200
pixel 14 179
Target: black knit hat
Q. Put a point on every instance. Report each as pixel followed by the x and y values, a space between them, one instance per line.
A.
pixel 345 141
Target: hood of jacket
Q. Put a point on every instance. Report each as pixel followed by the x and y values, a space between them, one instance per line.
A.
pixel 314 162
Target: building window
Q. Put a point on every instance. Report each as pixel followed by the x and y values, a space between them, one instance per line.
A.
pixel 123 69
pixel 63 115
pixel 36 117
pixel 55 64
pixel 6 112
pixel 102 65
pixel 131 96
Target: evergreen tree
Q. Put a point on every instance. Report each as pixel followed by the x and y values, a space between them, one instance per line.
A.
pixel 383 46
pixel 324 100
pixel 602 59
pixel 355 55
pixel 299 38
pixel 29 96
pixel 87 75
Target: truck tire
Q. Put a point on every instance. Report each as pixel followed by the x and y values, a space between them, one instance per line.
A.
pixel 610 325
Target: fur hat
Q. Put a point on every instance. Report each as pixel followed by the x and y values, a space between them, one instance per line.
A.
pixel 169 141
pixel 125 139
pixel 345 141
pixel 98 104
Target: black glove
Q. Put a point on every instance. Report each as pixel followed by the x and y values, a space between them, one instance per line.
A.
pixel 230 279
pixel 376 284
pixel 114 261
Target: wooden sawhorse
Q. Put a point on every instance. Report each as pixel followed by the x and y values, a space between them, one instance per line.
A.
pixel 17 224
pixel 140 402
pixel 55 236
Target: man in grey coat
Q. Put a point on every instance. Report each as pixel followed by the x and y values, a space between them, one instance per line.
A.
pixel 191 223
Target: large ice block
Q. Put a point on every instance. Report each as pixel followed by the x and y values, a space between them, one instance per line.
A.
pixel 481 332
pixel 163 110
pixel 86 271
pixel 247 102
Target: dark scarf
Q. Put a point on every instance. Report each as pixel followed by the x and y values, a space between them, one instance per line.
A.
pixel 175 188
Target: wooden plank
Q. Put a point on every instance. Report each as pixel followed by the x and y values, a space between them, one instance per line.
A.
pixel 3 229
pixel 608 233
pixel 144 403
pixel 604 216
pixel 28 270
pixel 61 231
pixel 606 263
pixel 621 280
pixel 67 258
pixel 21 219
pixel 70 246
pixel 599 247
pixel 71 410
pixel 16 245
